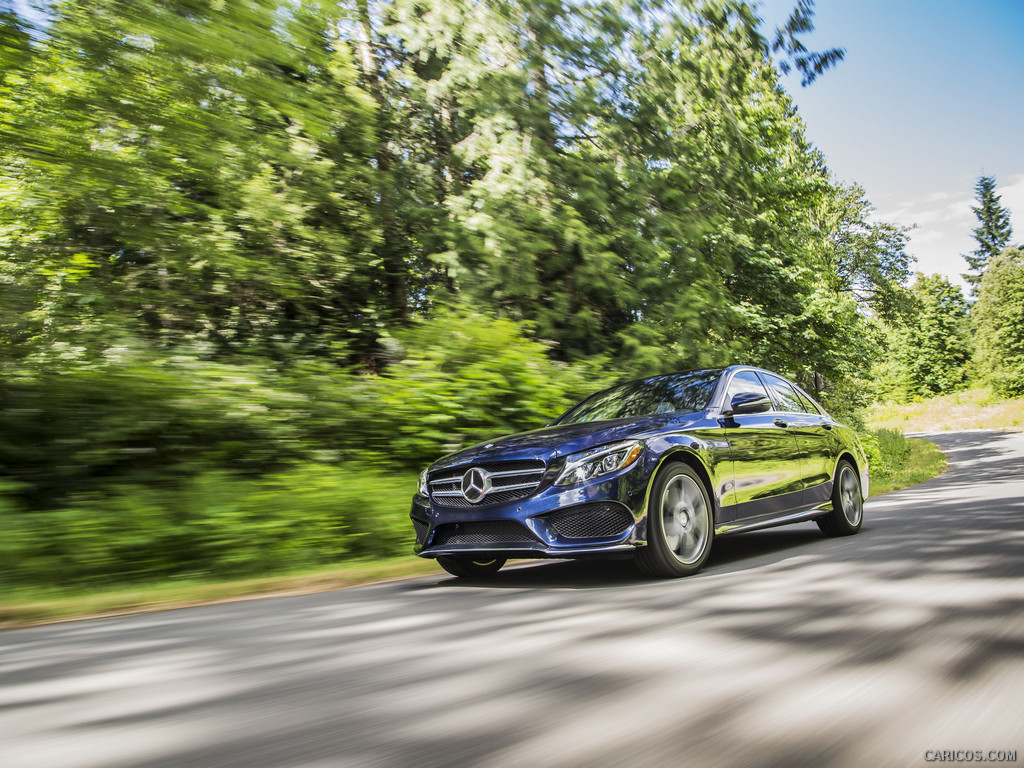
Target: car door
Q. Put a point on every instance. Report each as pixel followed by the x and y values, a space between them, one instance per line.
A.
pixel 806 423
pixel 824 447
pixel 764 455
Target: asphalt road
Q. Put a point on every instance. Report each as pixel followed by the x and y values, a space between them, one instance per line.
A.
pixel 788 650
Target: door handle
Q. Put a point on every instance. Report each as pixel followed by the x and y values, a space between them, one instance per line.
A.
pixel 826 426
pixel 781 423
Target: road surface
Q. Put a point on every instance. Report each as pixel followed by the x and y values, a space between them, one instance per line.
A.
pixel 788 650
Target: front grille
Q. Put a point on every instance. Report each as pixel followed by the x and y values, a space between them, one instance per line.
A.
pixel 484 532
pixel 510 481
pixel 591 521
pixel 421 529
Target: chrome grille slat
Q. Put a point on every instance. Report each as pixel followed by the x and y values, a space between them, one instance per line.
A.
pixel 516 487
pixel 510 481
pixel 515 473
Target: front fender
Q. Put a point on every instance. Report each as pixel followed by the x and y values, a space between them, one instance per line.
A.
pixel 701 452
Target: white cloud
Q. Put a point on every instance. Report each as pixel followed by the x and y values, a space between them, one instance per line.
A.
pixel 960 210
pixel 1012 197
pixel 941 232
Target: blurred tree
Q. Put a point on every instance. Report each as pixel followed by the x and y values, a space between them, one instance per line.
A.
pixel 743 183
pixel 993 231
pixel 282 178
pixel 998 323
pixel 192 173
pixel 570 165
pixel 14 46
pixel 810 64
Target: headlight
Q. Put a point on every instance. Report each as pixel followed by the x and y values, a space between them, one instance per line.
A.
pixel 423 490
pixel 596 462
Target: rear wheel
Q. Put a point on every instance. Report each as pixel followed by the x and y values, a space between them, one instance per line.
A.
pixel 680 524
pixel 464 567
pixel 847 503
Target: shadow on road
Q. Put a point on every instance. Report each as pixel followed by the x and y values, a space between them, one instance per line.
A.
pixel 729 553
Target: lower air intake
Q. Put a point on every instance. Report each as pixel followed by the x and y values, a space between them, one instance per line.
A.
pixel 421 529
pixel 487 532
pixel 591 521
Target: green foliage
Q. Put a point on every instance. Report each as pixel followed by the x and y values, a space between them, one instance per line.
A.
pixel 894 449
pixel 888 452
pixel 186 175
pixel 278 179
pixel 139 468
pixel 211 524
pixel 993 231
pixel 926 347
pixel 871 449
pixel 14 46
pixel 810 64
pixel 862 258
pixel 136 421
pixel 998 324
pixel 938 341
pixel 463 379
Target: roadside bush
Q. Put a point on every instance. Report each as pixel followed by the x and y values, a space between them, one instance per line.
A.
pixel 81 432
pixel 212 524
pixel 150 468
pixel 463 379
pixel 888 451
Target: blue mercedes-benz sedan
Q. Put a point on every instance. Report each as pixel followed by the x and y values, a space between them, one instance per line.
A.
pixel 655 468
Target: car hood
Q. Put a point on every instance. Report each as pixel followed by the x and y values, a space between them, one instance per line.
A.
pixel 548 443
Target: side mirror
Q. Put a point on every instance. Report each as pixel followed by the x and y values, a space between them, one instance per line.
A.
pixel 748 402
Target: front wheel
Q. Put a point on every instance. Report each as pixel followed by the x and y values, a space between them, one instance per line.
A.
pixel 847 504
pixel 680 524
pixel 465 568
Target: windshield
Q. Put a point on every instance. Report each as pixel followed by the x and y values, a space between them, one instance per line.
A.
pixel 673 393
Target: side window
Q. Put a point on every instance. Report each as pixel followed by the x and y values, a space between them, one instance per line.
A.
pixel 742 382
pixel 783 393
pixel 806 401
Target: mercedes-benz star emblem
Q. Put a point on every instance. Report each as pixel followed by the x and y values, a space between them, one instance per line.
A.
pixel 476 484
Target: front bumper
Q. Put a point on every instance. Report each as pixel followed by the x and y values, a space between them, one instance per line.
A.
pixel 600 517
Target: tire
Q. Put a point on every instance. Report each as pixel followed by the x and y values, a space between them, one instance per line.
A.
pixel 847 503
pixel 680 524
pixel 463 567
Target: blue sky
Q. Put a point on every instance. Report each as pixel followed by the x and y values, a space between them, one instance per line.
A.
pixel 929 97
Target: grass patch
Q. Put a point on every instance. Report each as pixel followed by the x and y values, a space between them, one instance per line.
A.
pixel 972 409
pixel 37 606
pixel 924 462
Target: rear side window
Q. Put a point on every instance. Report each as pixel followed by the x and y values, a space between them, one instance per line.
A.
pixel 806 401
pixel 783 394
pixel 743 382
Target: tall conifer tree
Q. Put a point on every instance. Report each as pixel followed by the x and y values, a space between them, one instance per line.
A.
pixel 993 231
